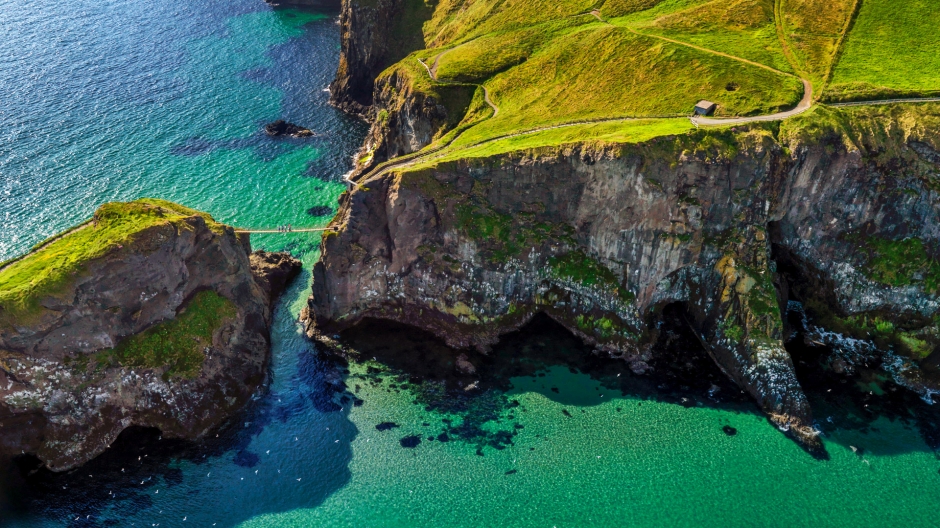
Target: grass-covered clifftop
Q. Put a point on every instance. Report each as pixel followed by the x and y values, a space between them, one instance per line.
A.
pixel 550 73
pixel 890 51
pixel 51 265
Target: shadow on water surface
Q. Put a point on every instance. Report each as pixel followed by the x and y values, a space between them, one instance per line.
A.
pixel 121 482
pixel 472 400
pixel 850 405
pixel 407 359
pixel 308 390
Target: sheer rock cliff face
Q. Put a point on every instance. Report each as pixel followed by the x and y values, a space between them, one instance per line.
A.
pixel 376 35
pixel 602 240
pixel 64 400
pixel 405 121
pixel 369 44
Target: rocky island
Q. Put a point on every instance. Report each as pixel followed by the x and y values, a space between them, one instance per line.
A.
pixel 149 314
pixel 477 204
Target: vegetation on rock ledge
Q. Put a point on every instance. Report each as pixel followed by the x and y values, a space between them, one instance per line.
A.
pixel 577 267
pixel 902 263
pixel 178 344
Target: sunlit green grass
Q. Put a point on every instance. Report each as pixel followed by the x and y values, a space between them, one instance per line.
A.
pixel 812 29
pixel 742 28
pixel 178 344
pixel 892 50
pixel 48 269
pixel 480 58
pixel 547 64
pixel 456 21
pixel 612 132
pixel 619 8
pixel 605 72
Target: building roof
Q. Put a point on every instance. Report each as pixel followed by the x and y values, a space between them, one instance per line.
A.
pixel 705 104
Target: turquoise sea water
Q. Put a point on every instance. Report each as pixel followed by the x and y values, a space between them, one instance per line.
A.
pixel 112 100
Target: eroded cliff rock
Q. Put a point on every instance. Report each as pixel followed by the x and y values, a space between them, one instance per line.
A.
pixel 165 326
pixel 374 35
pixel 406 120
pixel 602 239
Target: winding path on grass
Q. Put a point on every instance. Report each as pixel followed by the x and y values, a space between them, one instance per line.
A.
pixel 435 153
pixel 805 103
pixel 433 75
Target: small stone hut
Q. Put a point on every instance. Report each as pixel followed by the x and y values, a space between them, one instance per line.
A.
pixel 705 108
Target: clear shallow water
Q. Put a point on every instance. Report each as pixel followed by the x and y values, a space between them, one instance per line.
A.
pixel 118 99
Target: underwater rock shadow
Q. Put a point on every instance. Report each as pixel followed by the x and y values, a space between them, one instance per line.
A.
pixel 532 359
pixel 302 101
pixel 540 346
pixel 682 374
pixel 265 147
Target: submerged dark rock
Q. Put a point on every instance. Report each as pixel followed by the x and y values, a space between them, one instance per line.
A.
pixel 320 210
pixel 730 431
pixel 386 426
pixel 410 441
pixel 283 128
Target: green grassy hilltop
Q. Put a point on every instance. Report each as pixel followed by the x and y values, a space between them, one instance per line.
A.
pixel 554 72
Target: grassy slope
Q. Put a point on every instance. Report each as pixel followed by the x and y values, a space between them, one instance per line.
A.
pixel 599 133
pixel 891 50
pixel 743 28
pixel 876 130
pixel 619 8
pixel 813 29
pixel 478 59
pixel 456 21
pixel 52 265
pixel 177 344
pixel 549 63
pixel 602 71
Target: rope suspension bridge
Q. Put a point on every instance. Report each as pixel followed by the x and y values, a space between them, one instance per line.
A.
pixel 282 231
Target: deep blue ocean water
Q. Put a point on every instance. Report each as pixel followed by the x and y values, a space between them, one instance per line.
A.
pixel 117 99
